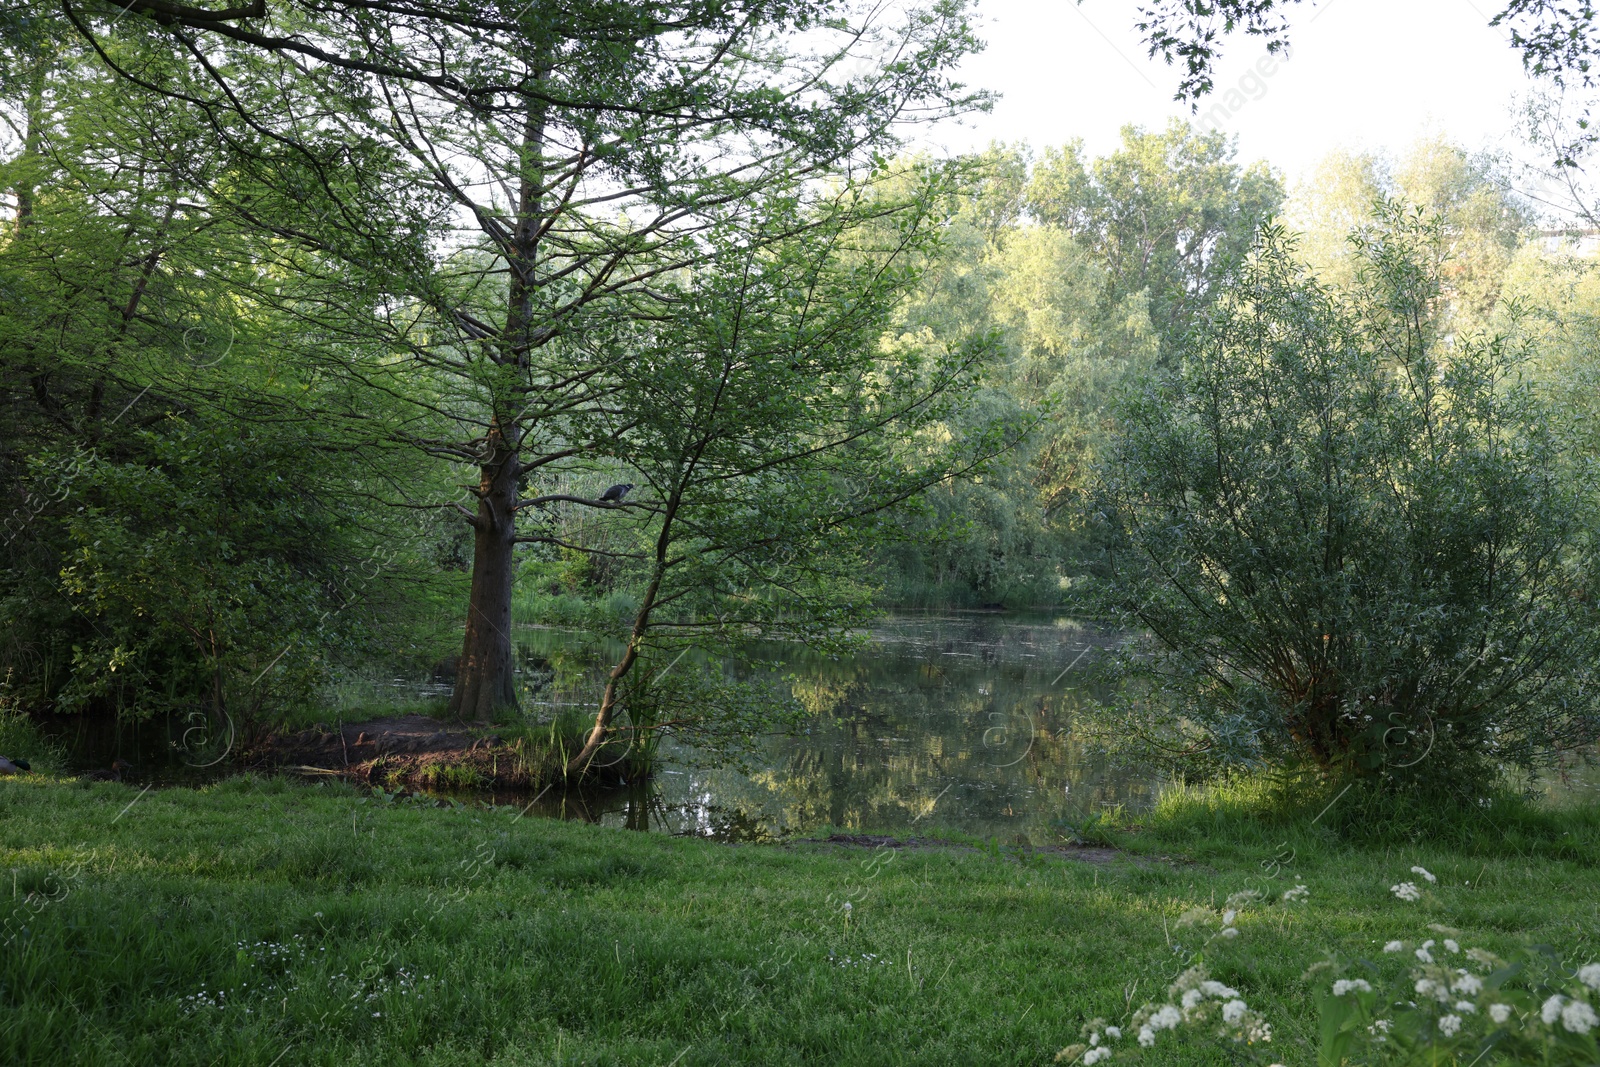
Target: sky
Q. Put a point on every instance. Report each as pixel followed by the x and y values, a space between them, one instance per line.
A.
pixel 1372 74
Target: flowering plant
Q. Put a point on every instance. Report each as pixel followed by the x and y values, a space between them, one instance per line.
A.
pixel 1452 1004
pixel 1195 1001
pixel 1446 1003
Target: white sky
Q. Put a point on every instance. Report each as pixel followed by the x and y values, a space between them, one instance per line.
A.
pixel 1364 73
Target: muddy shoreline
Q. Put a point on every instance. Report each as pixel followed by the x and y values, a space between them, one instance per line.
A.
pixel 410 750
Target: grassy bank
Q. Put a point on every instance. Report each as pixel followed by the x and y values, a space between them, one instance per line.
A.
pixel 268 923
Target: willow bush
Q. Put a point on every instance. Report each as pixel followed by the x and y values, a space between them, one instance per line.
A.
pixel 1355 541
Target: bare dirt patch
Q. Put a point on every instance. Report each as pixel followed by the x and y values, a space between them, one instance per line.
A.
pixel 1081 853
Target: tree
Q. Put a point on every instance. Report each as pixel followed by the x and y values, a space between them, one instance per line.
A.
pixel 766 410
pixel 591 151
pixel 179 517
pixel 1482 223
pixel 1164 215
pixel 1353 537
pixel 1064 262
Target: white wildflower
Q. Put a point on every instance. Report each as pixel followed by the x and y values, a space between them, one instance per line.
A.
pixel 1147 1036
pixel 1500 1012
pixel 1351 985
pixel 1191 998
pixel 1449 1025
pixel 1234 1010
pixel 1212 988
pixel 1395 946
pixel 1114 1032
pixel 1406 891
pixel 1229 932
pixel 1425 874
pixel 1166 1018
pixel 1578 1017
pixel 1427 987
pixel 1380 1026
pixel 1466 1007
pixel 1299 892
pixel 1466 983
pixel 1550 1011
pixel 1451 946
pixel 1095 1055
pixel 1228 917
pixel 1589 975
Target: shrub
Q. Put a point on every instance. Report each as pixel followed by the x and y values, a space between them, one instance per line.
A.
pixel 1354 540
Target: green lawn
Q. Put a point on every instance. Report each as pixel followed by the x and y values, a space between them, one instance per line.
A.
pixel 263 922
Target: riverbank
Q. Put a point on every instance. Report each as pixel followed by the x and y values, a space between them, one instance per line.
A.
pixel 413 751
pixel 268 922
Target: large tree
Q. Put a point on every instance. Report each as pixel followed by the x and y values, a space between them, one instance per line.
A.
pixel 582 154
pixel 1165 215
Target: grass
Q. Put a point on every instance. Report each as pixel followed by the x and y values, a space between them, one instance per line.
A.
pixel 269 923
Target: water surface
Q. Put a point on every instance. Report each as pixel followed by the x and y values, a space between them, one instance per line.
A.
pixel 944 722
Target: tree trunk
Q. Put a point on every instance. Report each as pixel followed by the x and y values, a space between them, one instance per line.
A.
pixel 485 674
pixel 31 140
pixel 641 626
pixel 579 763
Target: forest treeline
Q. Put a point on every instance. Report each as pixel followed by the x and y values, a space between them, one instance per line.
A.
pixel 1091 273
pixel 315 356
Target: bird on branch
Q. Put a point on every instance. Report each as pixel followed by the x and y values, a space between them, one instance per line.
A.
pixel 615 494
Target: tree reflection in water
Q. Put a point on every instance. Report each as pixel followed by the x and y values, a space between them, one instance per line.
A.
pixel 951 722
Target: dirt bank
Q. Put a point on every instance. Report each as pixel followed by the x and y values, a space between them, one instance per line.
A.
pixel 411 750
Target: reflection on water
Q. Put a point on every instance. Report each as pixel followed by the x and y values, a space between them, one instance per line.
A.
pixel 957 722
pixel 944 722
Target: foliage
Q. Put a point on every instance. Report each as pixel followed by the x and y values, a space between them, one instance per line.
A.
pixel 20 737
pixel 1483 225
pixel 1354 542
pixel 766 408
pixel 1166 215
pixel 1454 1004
pixel 1075 270
pixel 186 529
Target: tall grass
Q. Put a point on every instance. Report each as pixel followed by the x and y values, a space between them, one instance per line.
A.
pixel 259 922
pixel 1263 810
pixel 20 738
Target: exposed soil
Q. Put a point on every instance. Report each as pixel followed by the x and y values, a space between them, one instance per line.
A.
pixel 1081 853
pixel 408 750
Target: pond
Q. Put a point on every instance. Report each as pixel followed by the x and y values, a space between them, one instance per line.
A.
pixel 954 723
pixel 944 722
